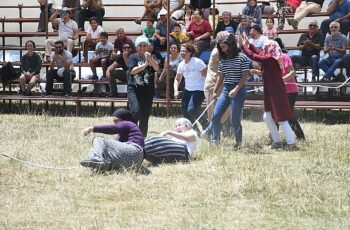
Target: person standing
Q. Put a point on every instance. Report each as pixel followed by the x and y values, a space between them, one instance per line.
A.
pixel 194 71
pixel 276 104
pixel 233 72
pixel 142 66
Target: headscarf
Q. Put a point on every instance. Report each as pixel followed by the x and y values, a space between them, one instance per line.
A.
pixel 184 121
pixel 250 10
pixel 271 47
pixel 123 114
pixel 141 39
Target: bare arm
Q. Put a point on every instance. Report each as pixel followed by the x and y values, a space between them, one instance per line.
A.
pixel 176 85
pixel 188 136
pixel 290 74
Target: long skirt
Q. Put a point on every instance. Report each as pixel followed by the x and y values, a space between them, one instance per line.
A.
pixel 163 150
pixel 121 155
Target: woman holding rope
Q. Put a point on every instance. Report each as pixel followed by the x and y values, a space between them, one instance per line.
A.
pixel 276 104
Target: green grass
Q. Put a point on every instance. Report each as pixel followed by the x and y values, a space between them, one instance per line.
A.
pixel 253 188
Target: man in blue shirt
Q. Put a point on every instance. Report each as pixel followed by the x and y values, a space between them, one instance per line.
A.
pixel 339 11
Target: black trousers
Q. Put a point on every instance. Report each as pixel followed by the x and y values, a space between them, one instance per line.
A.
pixel 141 99
pixel 68 76
pixel 294 124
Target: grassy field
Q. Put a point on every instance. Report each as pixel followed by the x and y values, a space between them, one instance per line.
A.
pixel 253 188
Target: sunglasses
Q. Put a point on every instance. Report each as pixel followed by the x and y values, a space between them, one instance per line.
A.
pixel 126 47
pixel 334 27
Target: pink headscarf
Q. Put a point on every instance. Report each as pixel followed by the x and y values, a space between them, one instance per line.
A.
pixel 271 47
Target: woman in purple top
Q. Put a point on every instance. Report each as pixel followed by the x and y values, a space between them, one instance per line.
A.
pixel 126 151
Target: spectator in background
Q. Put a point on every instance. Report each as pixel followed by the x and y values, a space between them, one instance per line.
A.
pixel 211 18
pixel 174 61
pixel 42 22
pixel 253 11
pixel 187 19
pixel 119 42
pixel 125 152
pixel 182 145
pixel 270 31
pixel 244 26
pixel 102 56
pixel 30 69
pixel 92 38
pixel 179 36
pixel 156 54
pixel 194 71
pixel 119 75
pixel 61 59
pixel 283 7
pixel 310 44
pixel 149 30
pixel 74 7
pixel 199 32
pixel 339 11
pixel 161 30
pixel 67 32
pixel 176 6
pixel 142 66
pixel 306 7
pixel 256 37
pixel 152 8
pixel 335 45
pixel 227 21
pixel 202 5
pixel 92 8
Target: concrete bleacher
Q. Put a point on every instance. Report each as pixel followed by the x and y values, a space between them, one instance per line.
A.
pixel 24 21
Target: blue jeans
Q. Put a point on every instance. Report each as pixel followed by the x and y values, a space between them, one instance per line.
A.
pixel 329 65
pixel 191 107
pixel 311 61
pixel 223 102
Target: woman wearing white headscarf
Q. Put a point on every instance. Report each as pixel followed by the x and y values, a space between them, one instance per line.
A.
pixel 142 66
pixel 276 102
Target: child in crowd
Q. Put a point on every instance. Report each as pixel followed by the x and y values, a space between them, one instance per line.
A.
pixel 211 17
pixel 270 31
pixel 92 37
pixel 102 56
pixel 149 30
pixel 244 26
pixel 179 36
pixel 187 17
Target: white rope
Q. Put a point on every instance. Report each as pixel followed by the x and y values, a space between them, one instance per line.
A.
pixel 28 163
pixel 323 86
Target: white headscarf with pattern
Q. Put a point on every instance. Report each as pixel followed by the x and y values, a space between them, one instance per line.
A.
pixel 271 47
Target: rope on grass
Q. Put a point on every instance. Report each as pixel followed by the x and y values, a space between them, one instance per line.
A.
pixel 28 163
pixel 323 86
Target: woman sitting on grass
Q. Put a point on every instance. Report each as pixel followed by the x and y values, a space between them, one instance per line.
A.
pixel 126 151
pixel 179 148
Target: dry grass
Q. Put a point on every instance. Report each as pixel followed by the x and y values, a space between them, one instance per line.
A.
pixel 254 188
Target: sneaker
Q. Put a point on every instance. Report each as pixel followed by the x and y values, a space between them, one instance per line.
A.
pixel 276 145
pixel 96 164
pixel 103 78
pixel 290 147
pixel 138 21
pixel 325 79
pixel 237 145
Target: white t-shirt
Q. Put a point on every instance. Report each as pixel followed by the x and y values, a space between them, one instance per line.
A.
pixel 191 146
pixel 259 42
pixel 194 80
pixel 102 51
pixel 96 33
pixel 66 29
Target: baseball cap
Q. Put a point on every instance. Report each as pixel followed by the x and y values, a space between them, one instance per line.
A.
pixel 163 12
pixel 313 22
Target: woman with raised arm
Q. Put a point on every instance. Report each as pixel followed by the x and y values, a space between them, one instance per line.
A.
pixel 276 102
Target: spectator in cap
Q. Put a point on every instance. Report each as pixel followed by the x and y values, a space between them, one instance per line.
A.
pixel 306 7
pixel 161 30
pixel 310 44
pixel 227 21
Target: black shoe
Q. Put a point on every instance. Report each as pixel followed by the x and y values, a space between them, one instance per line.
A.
pixel 325 79
pixel 96 164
